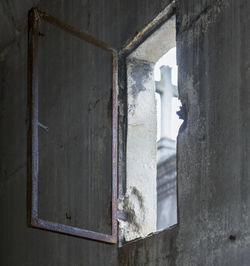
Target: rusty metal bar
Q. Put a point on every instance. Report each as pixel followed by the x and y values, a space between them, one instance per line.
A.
pixel 71 230
pixel 33 216
pixel 114 146
pixel 66 27
pixel 33 96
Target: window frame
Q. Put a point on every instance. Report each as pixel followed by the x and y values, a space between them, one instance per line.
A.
pixel 32 196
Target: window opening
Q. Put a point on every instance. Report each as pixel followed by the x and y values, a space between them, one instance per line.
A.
pixel 150 201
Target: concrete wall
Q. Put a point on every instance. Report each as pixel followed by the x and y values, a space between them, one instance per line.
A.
pixel 140 198
pixel 213 149
pixel 213 161
pixel 214 199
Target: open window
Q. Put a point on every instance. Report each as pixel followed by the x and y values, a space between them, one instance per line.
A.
pixel 150 201
pixel 62 196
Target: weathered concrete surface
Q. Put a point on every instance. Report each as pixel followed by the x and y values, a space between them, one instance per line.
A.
pixel 140 201
pixel 213 150
pixel 157 249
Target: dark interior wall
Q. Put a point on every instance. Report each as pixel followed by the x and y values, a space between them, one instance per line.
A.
pixel 111 21
pixel 213 150
pixel 214 198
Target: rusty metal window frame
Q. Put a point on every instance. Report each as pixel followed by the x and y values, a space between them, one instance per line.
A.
pixel 33 217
